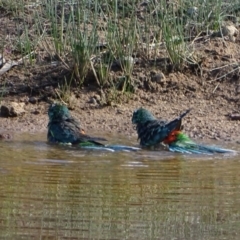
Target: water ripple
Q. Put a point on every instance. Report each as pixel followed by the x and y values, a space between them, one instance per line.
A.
pixel 51 192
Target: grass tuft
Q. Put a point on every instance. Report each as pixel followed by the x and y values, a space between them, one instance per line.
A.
pixel 103 39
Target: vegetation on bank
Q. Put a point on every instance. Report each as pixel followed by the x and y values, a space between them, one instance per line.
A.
pixel 102 41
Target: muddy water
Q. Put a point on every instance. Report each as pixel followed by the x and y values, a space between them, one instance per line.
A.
pixel 51 192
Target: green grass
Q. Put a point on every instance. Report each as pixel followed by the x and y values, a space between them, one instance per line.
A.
pixel 72 32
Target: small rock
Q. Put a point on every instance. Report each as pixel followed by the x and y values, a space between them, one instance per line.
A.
pixel 157 77
pixel 149 85
pixel 32 100
pixel 119 111
pixel 12 109
pixel 93 100
pixel 5 136
pixel 97 97
pixel 230 31
pixel 36 112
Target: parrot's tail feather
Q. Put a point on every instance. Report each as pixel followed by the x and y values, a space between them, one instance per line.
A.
pixel 123 148
pixel 213 149
pixel 199 149
pixel 182 150
pixel 177 123
pixel 99 148
pixel 185 113
pixel 113 148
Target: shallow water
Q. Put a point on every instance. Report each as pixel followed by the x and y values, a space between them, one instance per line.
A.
pixel 56 192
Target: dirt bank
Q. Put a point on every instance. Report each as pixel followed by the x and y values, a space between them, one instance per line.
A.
pixel 209 117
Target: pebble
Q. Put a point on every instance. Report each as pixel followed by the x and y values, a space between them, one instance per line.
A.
pixel 32 100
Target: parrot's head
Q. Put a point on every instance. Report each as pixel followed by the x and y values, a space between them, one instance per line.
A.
pixel 142 115
pixel 58 111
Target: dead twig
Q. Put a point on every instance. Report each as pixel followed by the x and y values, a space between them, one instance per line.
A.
pixel 224 75
pixel 9 64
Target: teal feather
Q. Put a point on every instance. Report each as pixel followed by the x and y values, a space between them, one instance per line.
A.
pixel 113 148
pixel 184 144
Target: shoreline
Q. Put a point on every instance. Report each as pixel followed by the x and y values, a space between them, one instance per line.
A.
pixel 208 120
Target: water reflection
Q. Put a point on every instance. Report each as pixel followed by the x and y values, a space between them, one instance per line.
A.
pixel 50 192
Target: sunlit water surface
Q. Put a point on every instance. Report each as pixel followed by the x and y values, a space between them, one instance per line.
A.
pixel 56 192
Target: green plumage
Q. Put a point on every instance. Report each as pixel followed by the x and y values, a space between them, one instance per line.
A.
pixel 184 144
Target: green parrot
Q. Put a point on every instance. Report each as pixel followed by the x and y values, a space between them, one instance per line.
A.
pixel 64 129
pixel 152 131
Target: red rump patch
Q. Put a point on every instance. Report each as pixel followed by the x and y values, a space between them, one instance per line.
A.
pixel 172 137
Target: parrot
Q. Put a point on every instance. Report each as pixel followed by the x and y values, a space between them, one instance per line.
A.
pixel 65 129
pixel 152 131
